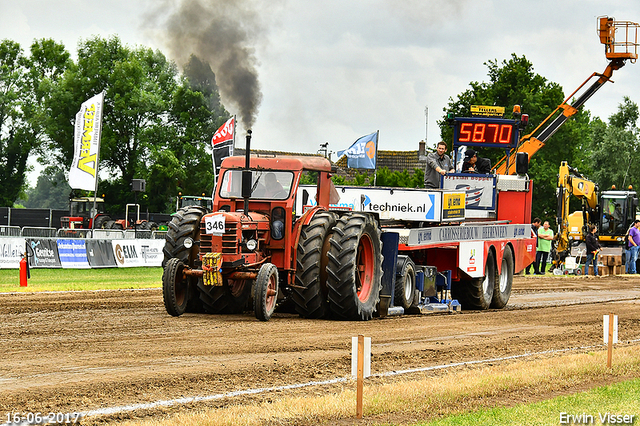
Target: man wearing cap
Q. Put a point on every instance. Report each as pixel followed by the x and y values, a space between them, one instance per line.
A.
pixel 469 164
pixel 474 164
pixel 438 163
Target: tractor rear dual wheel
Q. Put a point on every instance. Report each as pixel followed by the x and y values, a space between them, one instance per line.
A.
pixel 310 293
pixel 354 269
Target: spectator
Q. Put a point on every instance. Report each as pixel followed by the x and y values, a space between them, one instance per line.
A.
pixel 593 247
pixel 632 244
pixel 438 163
pixel 534 227
pixel 545 236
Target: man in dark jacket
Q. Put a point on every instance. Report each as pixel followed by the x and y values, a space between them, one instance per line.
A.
pixel 593 247
pixel 534 227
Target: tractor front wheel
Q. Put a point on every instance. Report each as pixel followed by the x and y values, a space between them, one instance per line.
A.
pixel 265 292
pixel 175 287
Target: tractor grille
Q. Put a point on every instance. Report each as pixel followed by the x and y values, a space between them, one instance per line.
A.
pixel 230 239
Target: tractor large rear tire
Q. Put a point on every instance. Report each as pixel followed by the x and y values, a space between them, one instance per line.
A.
pixel 477 293
pixel 354 270
pixel 310 293
pixel 185 224
pixel 502 289
pixel 100 221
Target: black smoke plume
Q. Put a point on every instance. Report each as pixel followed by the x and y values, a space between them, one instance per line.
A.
pixel 220 33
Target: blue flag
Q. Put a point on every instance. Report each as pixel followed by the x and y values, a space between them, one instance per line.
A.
pixel 362 154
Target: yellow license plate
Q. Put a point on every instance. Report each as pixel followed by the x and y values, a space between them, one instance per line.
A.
pixel 212 268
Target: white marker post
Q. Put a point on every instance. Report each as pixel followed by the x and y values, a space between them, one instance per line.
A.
pixel 610 334
pixel 360 366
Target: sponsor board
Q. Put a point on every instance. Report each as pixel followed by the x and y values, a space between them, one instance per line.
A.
pixel 132 253
pixel 446 234
pixel 73 253
pixel 391 203
pixel 480 190
pixel 11 251
pixel 100 254
pixel 471 258
pixel 43 253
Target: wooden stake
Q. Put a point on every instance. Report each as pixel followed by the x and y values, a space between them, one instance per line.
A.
pixel 360 376
pixel 610 341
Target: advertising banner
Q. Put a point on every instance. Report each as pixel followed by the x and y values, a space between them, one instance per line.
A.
pixel 132 253
pixel 480 190
pixel 100 254
pixel 43 253
pixel 11 251
pixel 391 203
pixel 86 143
pixel 73 253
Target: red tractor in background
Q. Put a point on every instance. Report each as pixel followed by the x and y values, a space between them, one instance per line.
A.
pixel 81 216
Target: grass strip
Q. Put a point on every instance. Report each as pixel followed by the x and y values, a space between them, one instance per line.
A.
pixel 81 279
pixel 614 404
pixel 438 396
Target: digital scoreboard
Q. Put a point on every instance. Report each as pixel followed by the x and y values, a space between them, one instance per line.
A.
pixel 484 131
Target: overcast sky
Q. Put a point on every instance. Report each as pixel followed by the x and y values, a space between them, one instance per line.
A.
pixel 334 70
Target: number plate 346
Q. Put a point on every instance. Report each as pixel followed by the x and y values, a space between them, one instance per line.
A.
pixel 214 224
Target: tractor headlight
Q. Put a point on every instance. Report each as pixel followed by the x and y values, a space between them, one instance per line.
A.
pixel 251 244
pixel 188 243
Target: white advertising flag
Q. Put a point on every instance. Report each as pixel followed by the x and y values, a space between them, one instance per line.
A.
pixel 84 169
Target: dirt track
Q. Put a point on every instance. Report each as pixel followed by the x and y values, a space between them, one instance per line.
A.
pixel 66 352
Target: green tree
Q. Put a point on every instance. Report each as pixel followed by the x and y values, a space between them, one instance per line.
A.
pixel 51 190
pixel 155 125
pixel 615 149
pixel 513 82
pixel 24 88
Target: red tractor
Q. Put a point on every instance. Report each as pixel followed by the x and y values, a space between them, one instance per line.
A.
pixel 252 252
pixel 80 214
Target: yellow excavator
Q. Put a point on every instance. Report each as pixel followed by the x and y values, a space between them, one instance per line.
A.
pixel 625 48
pixel 611 211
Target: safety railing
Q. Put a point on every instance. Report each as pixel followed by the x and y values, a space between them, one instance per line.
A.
pixel 73 233
pixel 159 235
pixel 131 234
pixel 9 231
pixel 108 234
pixel 38 232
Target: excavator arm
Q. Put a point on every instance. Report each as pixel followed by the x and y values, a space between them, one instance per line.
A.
pixel 617 52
